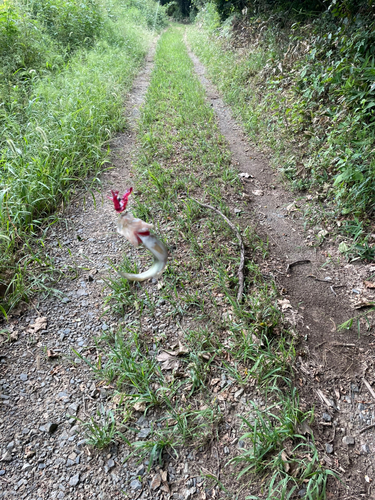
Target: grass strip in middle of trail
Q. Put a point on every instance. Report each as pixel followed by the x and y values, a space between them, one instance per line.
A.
pixel 188 354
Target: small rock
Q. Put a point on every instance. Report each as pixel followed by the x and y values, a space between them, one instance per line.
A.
pixel 7 457
pixel 2 472
pixel 73 409
pixel 109 465
pixel 10 446
pixel 143 433
pixel 326 417
pixel 226 450
pixel 41 466
pixel 238 394
pixel 365 449
pixel 23 377
pixel 136 485
pixel 74 430
pixel 302 493
pixel 50 427
pixel 329 448
pixel 74 480
pixel 141 470
pixel 26 467
pixel 188 494
pixel 348 440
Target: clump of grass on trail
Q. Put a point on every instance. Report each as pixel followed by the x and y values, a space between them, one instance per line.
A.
pixel 304 89
pixel 176 381
pixel 62 91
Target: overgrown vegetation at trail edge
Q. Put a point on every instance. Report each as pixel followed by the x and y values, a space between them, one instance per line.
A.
pixel 303 83
pixel 65 67
pixel 215 358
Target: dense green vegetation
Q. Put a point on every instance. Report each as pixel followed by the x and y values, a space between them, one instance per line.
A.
pixel 65 66
pixel 305 88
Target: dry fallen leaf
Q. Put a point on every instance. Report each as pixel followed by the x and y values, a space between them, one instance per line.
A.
pixel 284 458
pixel 156 482
pixel 13 336
pixel 215 381
pixel 369 284
pixel 40 324
pixel 292 207
pixel 285 304
pixel 164 475
pixel 258 192
pixel 139 406
pixel 52 354
pixel 363 303
pixel 168 361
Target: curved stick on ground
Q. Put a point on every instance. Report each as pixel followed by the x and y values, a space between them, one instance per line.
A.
pixel 137 232
pixel 242 259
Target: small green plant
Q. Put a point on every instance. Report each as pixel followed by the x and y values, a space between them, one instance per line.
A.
pixel 100 430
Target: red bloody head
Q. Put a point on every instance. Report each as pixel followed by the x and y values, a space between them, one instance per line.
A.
pixel 118 202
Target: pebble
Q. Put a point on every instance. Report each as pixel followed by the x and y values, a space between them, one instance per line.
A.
pixel 74 480
pixel 73 409
pixel 143 433
pixel 26 467
pixel 7 457
pixel 23 377
pixel 329 448
pixel 326 417
pixel 50 427
pixel 2 472
pixel 136 485
pixel 365 449
pixel 348 440
pixel 109 465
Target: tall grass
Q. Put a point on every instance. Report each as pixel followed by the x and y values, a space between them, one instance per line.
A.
pixel 58 107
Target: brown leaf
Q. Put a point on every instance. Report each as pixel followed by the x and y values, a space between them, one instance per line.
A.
pixel 156 482
pixel 363 303
pixel 223 396
pixel 215 381
pixel 164 475
pixel 369 284
pixel 168 361
pixel 13 336
pixel 139 406
pixel 165 488
pixel 40 324
pixel 284 458
pixel 52 354
pixel 285 304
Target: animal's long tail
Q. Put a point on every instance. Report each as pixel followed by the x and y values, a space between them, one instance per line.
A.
pixel 160 253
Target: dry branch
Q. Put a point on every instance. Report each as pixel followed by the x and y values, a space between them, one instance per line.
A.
pixel 242 259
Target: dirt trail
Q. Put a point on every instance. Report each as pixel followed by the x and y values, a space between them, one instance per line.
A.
pixel 42 461
pixel 331 361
